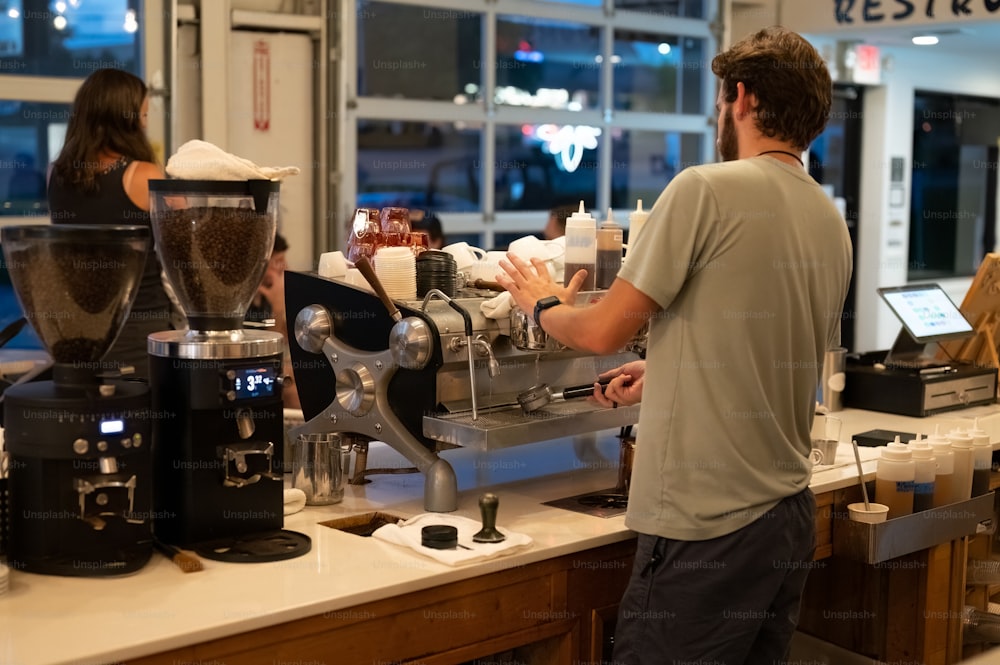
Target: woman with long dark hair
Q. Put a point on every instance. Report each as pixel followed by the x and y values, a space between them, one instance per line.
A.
pixel 102 176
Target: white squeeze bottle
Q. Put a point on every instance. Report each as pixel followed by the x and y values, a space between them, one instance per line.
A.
pixel 636 219
pixel 894 477
pixel 961 445
pixel 925 471
pixel 982 460
pixel 944 480
pixel 581 247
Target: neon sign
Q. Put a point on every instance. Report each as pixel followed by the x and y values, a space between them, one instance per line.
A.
pixel 567 143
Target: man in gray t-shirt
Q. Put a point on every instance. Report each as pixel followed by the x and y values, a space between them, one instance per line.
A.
pixel 742 271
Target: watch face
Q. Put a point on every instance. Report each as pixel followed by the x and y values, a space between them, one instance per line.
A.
pixel 543 304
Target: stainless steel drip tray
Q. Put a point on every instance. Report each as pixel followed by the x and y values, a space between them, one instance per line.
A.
pixel 602 503
pixel 504 427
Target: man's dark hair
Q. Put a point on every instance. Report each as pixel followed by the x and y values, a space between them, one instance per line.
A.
pixel 280 244
pixel 431 225
pixel 789 78
pixel 562 212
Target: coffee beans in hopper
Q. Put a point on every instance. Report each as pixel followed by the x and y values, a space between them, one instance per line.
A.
pixel 215 255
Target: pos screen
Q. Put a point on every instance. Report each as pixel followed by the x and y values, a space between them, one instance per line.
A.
pixel 927 313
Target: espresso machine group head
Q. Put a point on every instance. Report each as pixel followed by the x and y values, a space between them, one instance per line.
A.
pixel 80 463
pixel 218 445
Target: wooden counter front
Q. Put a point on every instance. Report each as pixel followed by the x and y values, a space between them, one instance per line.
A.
pixel 559 611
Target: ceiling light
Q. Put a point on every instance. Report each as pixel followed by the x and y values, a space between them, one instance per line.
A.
pixel 925 40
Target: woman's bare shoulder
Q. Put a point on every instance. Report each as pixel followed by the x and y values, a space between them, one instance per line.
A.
pixel 148 171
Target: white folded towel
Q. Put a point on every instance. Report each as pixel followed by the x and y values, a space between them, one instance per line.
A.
pixel 497 307
pixel 200 160
pixel 295 500
pixel 407 533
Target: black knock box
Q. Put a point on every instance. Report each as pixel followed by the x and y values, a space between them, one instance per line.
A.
pixel 914 392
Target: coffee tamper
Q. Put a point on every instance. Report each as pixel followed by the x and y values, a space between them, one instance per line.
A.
pixel 488 508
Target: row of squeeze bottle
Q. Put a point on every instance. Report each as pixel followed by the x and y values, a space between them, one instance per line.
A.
pixel 597 249
pixel 933 472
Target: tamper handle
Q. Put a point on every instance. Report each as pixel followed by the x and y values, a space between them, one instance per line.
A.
pixel 488 504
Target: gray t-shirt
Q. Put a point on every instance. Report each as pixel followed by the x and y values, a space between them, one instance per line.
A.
pixel 750 261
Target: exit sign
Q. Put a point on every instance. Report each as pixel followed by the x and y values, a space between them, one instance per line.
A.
pixel 867 67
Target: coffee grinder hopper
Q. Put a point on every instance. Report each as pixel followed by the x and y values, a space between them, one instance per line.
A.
pixel 214 240
pixel 76 284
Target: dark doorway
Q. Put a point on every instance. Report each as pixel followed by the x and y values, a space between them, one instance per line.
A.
pixel 835 162
pixel 953 199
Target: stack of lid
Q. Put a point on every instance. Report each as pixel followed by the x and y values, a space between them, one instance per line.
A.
pixel 436 270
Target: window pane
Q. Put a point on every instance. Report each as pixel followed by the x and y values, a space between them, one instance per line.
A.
pixel 419 165
pixel 661 73
pixel 70 38
pixel 952 219
pixel 547 64
pixel 418 52
pixel 31 136
pixel 685 8
pixel 541 166
pixel 644 162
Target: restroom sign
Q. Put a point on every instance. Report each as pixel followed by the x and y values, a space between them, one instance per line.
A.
pixel 261 86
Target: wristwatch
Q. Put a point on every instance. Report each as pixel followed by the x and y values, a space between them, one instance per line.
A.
pixel 543 304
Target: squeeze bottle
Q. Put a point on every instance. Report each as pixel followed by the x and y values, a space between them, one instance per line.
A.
pixel 982 460
pixel 961 445
pixel 609 252
pixel 636 219
pixel 925 472
pixel 581 248
pixel 894 476
pixel 944 479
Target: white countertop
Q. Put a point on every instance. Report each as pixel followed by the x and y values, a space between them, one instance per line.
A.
pixel 52 620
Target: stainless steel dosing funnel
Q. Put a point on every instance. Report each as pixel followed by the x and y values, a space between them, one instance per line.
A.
pixel 538 396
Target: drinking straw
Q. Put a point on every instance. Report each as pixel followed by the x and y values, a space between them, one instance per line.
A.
pixel 861 476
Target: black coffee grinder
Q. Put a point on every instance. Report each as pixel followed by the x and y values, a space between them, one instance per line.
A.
pixel 80 462
pixel 218 449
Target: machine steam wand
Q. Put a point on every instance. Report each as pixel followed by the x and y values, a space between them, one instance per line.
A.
pixel 469 342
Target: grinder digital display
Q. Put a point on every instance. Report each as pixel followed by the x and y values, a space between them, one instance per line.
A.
pixel 252 382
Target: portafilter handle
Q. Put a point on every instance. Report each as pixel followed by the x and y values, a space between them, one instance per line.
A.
pixel 580 391
pixel 368 272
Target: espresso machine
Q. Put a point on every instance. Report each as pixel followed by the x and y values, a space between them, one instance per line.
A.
pixel 80 482
pixel 218 444
pixel 435 373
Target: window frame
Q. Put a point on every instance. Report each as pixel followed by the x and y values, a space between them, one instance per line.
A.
pixel 62 90
pixel 488 223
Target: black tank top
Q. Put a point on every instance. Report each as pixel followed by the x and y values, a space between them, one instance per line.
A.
pixel 151 310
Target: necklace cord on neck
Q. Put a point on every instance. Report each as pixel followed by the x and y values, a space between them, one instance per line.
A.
pixel 781 152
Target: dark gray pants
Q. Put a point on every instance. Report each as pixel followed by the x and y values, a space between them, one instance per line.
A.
pixel 732 600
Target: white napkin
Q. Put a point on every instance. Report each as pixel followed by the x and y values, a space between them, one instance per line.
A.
pixel 295 500
pixel 200 160
pixel 407 534
pixel 497 307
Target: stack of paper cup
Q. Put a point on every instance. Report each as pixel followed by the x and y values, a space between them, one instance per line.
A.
pixel 396 268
